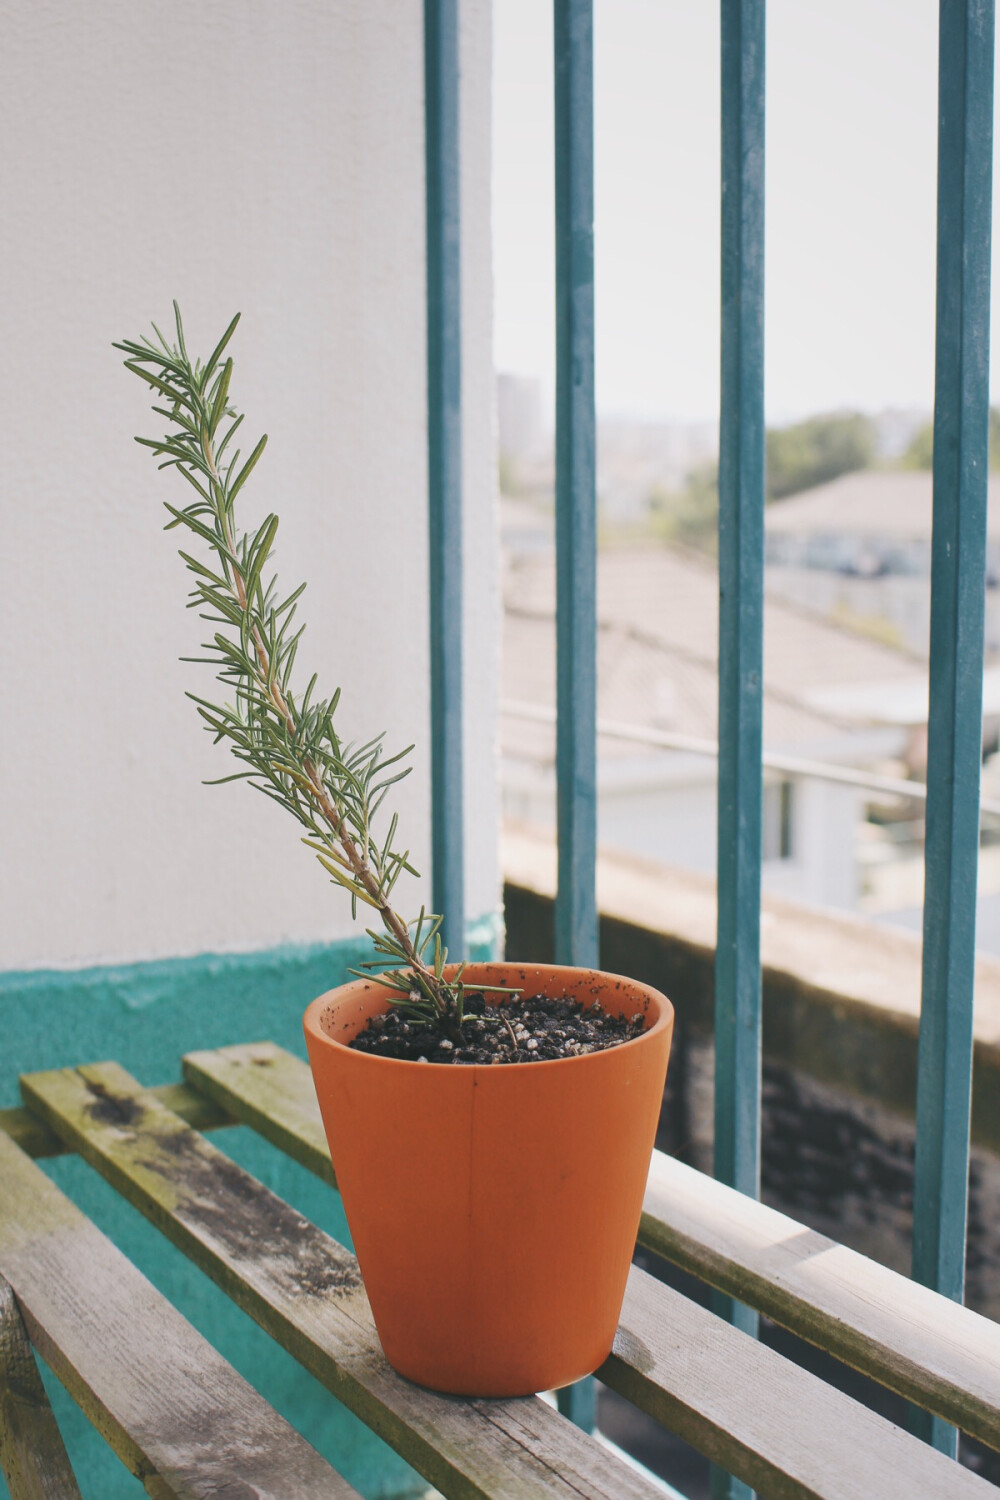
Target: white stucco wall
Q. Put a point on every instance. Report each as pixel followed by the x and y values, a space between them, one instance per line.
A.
pixel 241 155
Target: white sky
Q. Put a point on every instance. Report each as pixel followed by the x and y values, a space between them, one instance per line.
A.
pixel 851 162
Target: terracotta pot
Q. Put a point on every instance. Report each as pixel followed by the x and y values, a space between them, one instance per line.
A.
pixel 493 1209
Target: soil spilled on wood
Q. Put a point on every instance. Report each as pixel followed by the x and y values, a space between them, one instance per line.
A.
pixel 536 1028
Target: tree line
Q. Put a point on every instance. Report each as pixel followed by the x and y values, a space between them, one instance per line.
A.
pixel 798 457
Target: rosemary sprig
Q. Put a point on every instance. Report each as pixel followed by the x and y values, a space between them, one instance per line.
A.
pixel 288 742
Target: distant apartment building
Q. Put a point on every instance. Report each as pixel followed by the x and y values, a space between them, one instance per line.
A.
pixel 858 551
pixel 636 459
pixel 824 692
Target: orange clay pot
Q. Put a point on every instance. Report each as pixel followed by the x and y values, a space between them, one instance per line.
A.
pixel 494 1209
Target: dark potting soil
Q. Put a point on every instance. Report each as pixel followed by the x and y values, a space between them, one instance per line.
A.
pixel 534 1028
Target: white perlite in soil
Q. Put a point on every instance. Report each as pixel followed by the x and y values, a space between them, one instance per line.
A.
pixel 536 1028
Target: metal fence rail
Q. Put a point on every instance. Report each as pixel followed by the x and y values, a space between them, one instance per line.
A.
pixel 576 485
pixel 741 626
pixel 954 729
pixel 771 760
pixel 576 516
pixel 958 575
pixel 444 450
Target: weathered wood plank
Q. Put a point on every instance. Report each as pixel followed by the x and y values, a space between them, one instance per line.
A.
pixel 33 1457
pixel 931 1351
pixel 33 1137
pixel 170 1406
pixel 782 1430
pixel 29 1134
pixel 267 1088
pixel 192 1106
pixel 305 1290
pixel 938 1354
pixel 708 1382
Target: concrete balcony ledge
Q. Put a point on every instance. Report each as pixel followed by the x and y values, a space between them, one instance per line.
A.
pixel 841 994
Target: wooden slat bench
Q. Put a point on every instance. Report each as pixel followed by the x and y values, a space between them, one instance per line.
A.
pixel 776 1426
pixel 174 1411
pixel 32 1452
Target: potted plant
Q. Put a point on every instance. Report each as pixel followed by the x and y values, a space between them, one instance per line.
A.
pixel 490 1125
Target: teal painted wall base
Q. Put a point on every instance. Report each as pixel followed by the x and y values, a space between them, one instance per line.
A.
pixel 144 1016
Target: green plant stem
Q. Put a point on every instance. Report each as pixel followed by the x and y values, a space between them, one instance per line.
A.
pixel 290 745
pixel 324 803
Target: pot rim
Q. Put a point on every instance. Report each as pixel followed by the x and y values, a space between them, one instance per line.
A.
pixel 356 987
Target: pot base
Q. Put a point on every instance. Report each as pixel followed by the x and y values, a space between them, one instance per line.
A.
pixel 505 1368
pixel 499 1390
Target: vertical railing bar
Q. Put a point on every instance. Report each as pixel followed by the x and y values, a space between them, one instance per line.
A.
pixel 741 625
pixel 576 517
pixel 444 448
pixel 576 488
pixel 958 568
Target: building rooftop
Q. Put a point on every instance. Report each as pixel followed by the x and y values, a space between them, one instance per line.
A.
pixel 892 504
pixel 658 660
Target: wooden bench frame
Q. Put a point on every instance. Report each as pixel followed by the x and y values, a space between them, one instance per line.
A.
pixel 777 1427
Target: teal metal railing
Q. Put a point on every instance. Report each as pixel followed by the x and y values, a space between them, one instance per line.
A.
pixel 576 518
pixel 444 450
pixel 958 571
pixel 965 112
pixel 576 485
pixel 741 628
